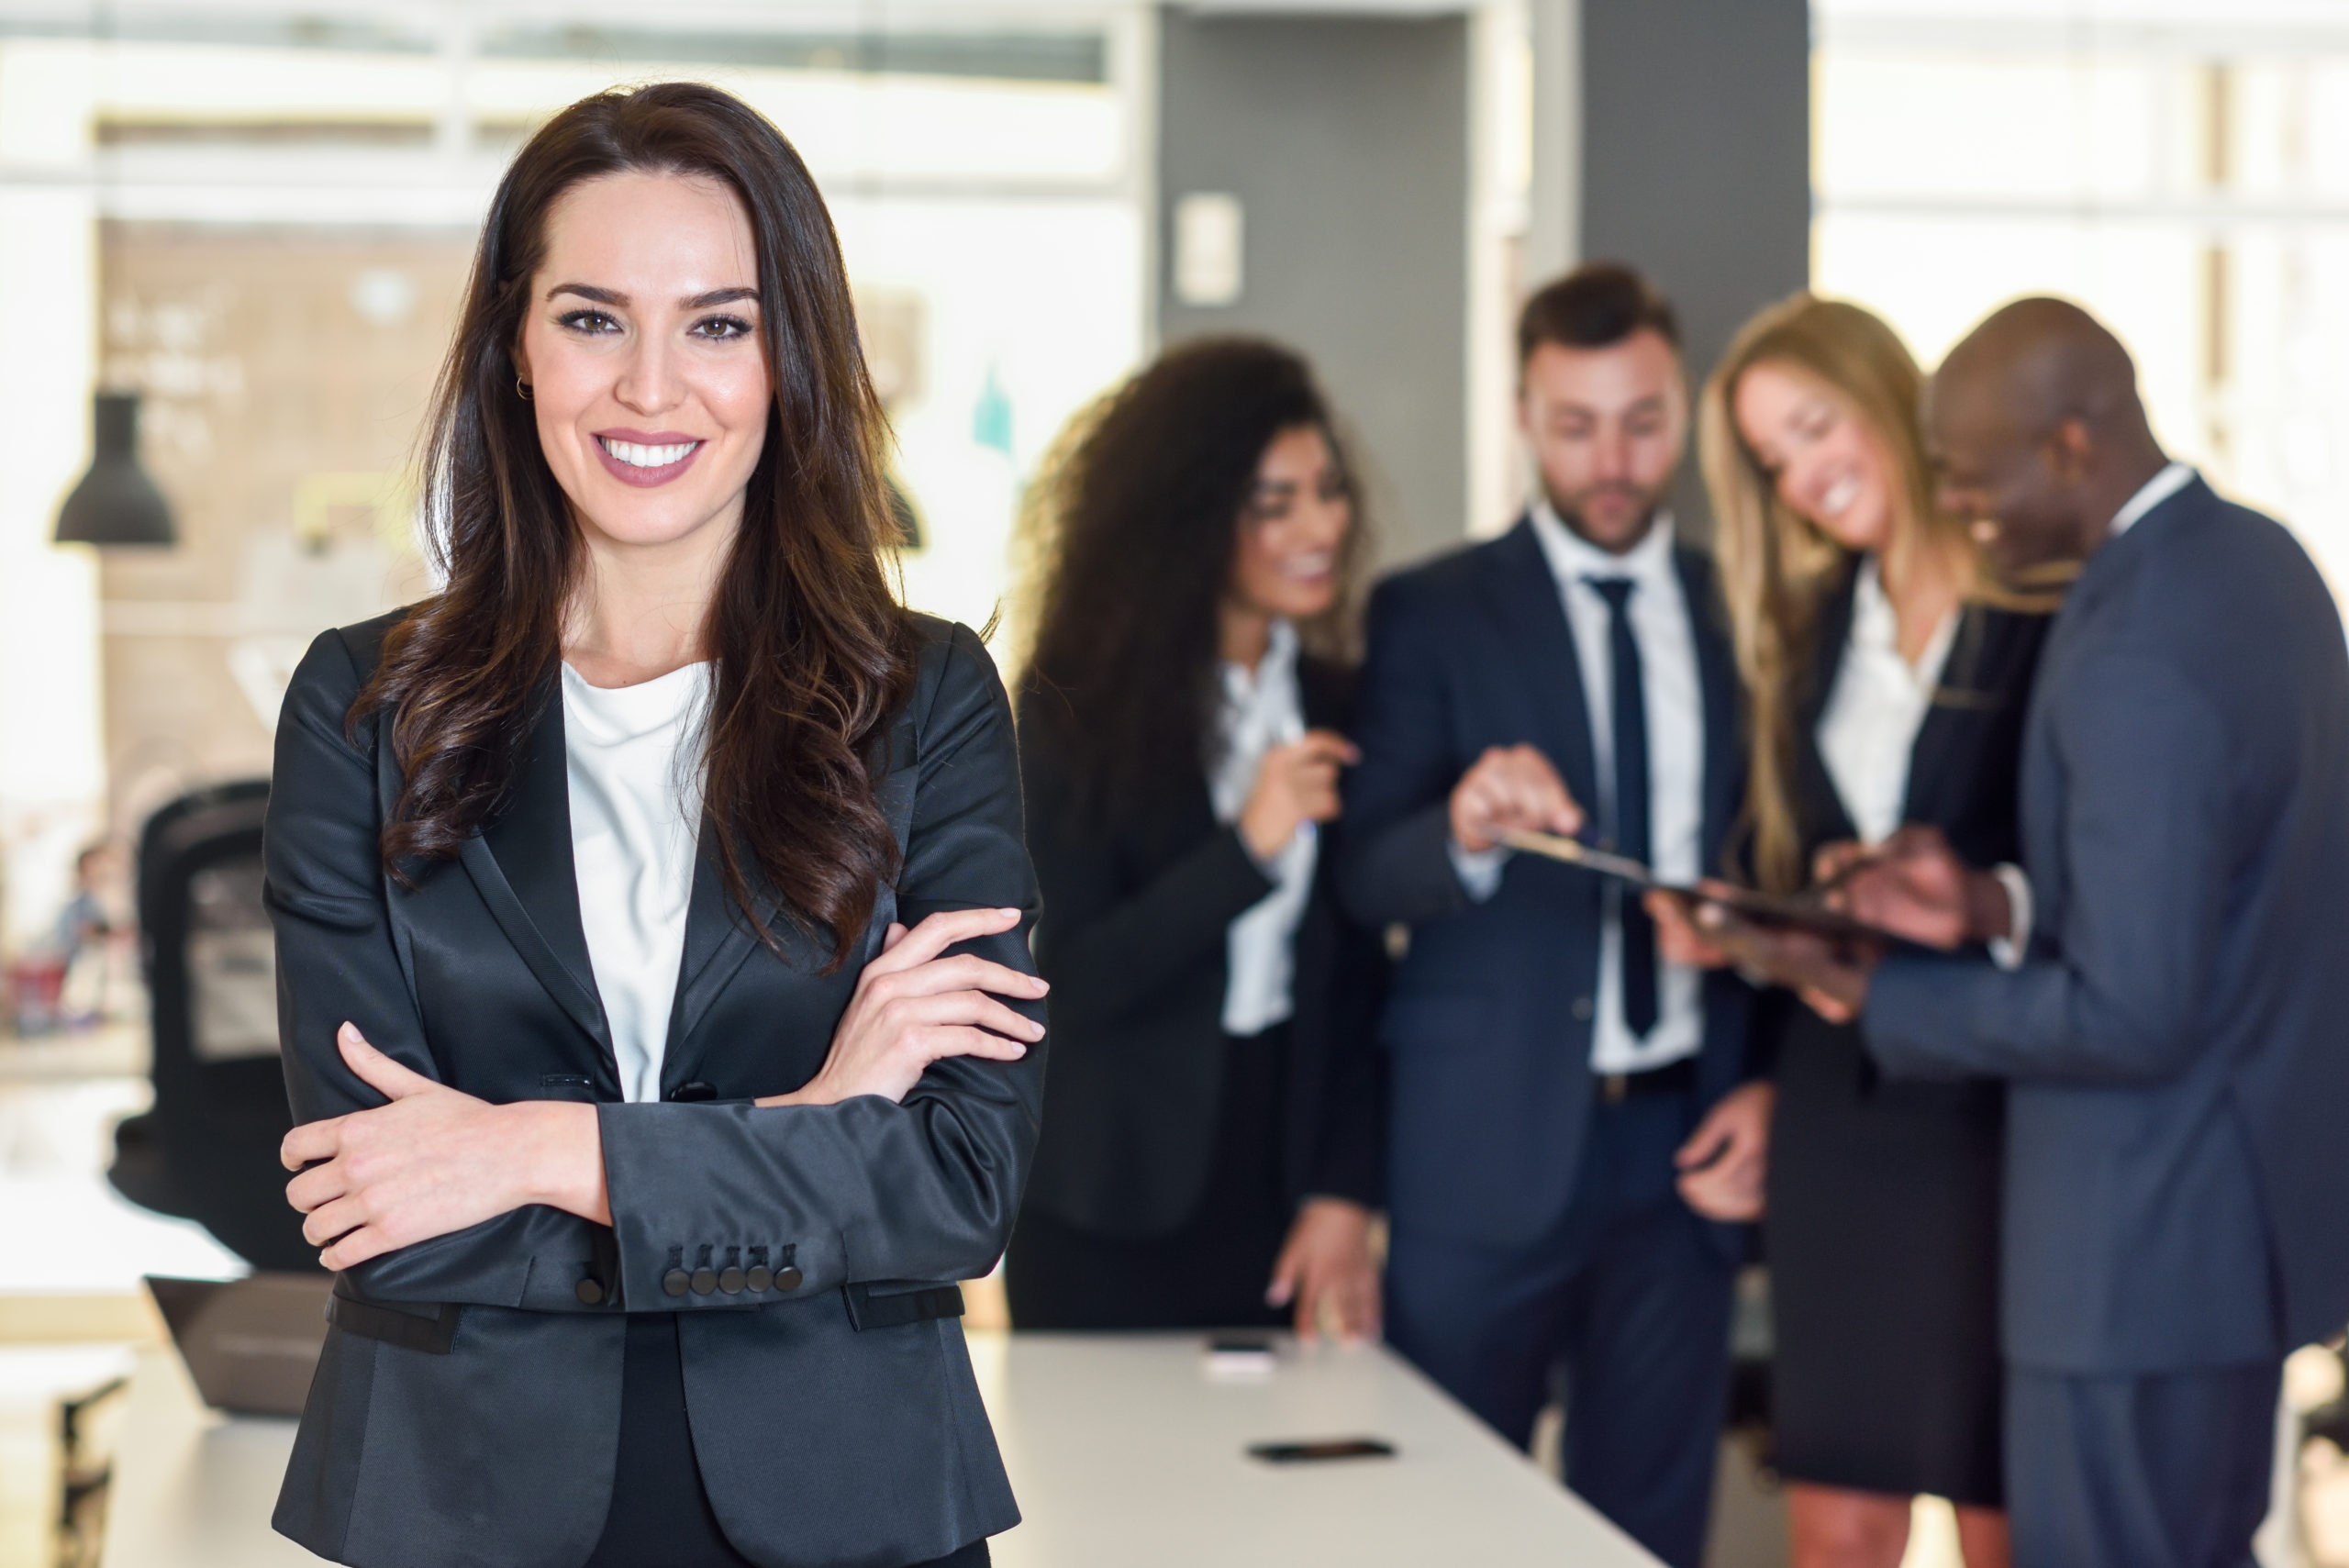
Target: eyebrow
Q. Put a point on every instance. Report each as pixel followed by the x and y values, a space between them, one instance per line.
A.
pixel 693 302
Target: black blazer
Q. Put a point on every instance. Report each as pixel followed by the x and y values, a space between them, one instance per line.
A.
pixel 1964 766
pixel 1135 907
pixel 1489 1023
pixel 466 1408
pixel 1963 771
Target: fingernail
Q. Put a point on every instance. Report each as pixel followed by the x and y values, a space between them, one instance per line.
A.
pixel 1013 913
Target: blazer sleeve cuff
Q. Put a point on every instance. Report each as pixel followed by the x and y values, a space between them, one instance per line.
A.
pixel 683 1248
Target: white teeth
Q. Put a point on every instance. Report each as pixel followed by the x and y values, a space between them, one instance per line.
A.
pixel 636 456
pixel 1315 565
pixel 1840 495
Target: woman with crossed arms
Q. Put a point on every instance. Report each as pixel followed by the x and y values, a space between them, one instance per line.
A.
pixel 650 907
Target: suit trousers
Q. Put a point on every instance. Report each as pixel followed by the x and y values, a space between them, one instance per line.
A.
pixel 661 1516
pixel 1629 1295
pixel 2164 1470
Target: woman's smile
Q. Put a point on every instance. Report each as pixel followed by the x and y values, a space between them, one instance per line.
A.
pixel 634 457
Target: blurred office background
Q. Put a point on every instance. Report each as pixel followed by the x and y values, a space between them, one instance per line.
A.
pixel 257 214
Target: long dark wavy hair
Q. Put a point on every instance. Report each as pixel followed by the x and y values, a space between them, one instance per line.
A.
pixel 1132 530
pixel 814 654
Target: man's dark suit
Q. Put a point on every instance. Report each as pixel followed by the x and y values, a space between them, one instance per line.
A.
pixel 467 1408
pixel 1497 1135
pixel 2177 1040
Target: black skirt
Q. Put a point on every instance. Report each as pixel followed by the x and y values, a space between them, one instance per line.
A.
pixel 661 1516
pixel 1882 1233
pixel 1208 1274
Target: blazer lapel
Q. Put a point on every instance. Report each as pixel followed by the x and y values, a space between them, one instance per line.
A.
pixel 522 865
pixel 1534 618
pixel 1717 673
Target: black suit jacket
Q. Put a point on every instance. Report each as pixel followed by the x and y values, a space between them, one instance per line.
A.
pixel 1137 903
pixel 1489 1021
pixel 467 1405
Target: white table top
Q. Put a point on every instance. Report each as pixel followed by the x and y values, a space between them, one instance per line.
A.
pixel 1121 1448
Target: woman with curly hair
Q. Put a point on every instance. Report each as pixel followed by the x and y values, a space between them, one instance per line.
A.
pixel 1212 1125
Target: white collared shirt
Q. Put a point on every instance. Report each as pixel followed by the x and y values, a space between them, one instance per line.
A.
pixel 2007 951
pixel 634 761
pixel 1675 722
pixel 2173 478
pixel 1262 708
pixel 1867 731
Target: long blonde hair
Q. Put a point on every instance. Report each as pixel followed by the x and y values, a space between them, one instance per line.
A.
pixel 1777 567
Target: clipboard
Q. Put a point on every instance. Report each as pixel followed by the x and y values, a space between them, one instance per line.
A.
pixel 1801 911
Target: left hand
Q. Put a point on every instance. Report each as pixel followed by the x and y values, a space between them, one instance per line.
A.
pixel 434 1162
pixel 1829 974
pixel 1724 1162
pixel 1326 1264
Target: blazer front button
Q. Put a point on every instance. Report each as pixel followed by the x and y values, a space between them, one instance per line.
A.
pixel 761 1278
pixel 731 1280
pixel 589 1291
pixel 787 1279
pixel 676 1282
pixel 1583 1010
pixel 704 1281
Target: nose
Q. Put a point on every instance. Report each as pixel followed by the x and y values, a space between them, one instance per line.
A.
pixel 648 380
pixel 1612 456
pixel 1326 521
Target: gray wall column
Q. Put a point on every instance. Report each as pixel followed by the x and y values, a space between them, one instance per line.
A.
pixel 1345 140
pixel 1695 160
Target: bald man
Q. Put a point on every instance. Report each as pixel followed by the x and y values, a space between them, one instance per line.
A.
pixel 2167 992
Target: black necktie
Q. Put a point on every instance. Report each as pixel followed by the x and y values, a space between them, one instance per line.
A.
pixel 1629 703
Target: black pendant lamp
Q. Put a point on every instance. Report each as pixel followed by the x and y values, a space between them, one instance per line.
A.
pixel 116 503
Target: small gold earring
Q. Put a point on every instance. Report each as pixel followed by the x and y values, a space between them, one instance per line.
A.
pixel 521 389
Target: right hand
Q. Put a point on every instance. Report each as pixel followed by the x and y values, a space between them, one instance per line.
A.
pixel 1510 786
pixel 1296 783
pixel 1914 885
pixel 913 1006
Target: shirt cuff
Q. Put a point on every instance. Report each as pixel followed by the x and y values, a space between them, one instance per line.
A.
pixel 2007 951
pixel 1479 871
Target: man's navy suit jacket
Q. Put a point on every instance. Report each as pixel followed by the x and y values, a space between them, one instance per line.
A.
pixel 1489 1021
pixel 2177 1040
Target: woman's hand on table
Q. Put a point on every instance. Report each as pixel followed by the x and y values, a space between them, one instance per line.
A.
pixel 914 1005
pixel 434 1161
pixel 1325 1266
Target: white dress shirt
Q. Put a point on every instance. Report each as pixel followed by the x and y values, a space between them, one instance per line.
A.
pixel 1867 731
pixel 634 756
pixel 1262 708
pixel 2007 951
pixel 1675 716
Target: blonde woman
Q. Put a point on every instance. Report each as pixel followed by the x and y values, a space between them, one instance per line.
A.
pixel 1887 684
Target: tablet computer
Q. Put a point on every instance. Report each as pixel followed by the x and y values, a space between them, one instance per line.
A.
pixel 1803 911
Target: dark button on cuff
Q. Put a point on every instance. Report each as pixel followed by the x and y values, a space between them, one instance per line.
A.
pixel 760 1277
pixel 788 1279
pixel 704 1281
pixel 676 1282
pixel 731 1280
pixel 589 1291
pixel 693 1092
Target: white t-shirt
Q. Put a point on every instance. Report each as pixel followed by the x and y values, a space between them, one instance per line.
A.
pixel 635 759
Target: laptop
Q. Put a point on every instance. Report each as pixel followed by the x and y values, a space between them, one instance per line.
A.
pixel 250 1344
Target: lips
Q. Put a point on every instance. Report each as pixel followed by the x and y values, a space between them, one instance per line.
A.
pixel 645 459
pixel 1838 497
